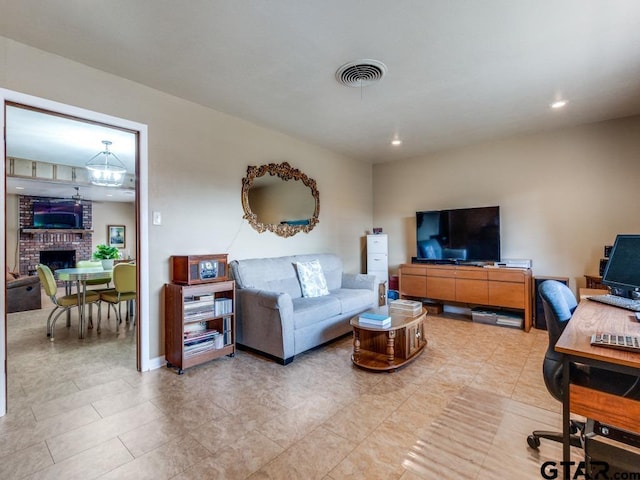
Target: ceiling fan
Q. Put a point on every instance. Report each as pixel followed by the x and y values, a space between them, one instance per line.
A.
pixel 77 197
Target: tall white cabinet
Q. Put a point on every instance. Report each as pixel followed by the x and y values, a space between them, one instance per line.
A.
pixel 378 259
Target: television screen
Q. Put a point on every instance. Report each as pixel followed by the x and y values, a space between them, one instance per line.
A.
pixel 623 268
pixel 57 214
pixel 459 235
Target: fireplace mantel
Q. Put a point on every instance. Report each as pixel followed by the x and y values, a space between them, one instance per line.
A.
pixel 37 231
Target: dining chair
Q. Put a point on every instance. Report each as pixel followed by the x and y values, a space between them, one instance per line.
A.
pixel 63 303
pixel 92 264
pixel 125 290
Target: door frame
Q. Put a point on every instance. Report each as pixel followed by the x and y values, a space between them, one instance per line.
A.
pixel 142 222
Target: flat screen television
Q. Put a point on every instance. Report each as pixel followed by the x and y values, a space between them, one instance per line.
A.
pixel 57 214
pixel 463 235
pixel 622 272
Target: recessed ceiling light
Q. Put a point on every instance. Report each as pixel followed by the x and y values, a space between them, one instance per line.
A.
pixel 396 142
pixel 559 104
pixel 19 188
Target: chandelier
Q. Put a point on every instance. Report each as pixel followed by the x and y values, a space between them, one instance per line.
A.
pixel 106 169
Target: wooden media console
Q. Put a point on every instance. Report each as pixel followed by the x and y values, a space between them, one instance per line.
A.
pixel 478 286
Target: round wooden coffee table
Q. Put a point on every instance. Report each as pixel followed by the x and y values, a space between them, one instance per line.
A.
pixel 388 348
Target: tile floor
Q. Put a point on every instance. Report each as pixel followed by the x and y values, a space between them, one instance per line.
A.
pixel 463 409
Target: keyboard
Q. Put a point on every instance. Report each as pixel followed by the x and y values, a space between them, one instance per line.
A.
pixel 630 343
pixel 617 301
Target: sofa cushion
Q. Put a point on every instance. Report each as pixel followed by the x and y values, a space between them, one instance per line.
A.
pixel 308 311
pixel 352 299
pixel 312 280
pixel 279 274
pixel 272 274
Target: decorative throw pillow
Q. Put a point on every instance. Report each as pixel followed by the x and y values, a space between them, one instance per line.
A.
pixel 312 279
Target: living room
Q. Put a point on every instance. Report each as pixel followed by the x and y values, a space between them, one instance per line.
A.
pixel 565 190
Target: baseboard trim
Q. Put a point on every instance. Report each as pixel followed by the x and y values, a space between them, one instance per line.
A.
pixel 157 362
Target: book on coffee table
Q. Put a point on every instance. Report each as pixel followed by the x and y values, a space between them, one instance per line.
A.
pixel 379 320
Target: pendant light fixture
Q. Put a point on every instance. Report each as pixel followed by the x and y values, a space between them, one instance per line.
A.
pixel 106 169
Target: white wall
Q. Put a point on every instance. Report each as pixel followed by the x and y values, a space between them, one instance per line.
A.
pixel 115 213
pixel 563 195
pixel 197 158
pixel 12 221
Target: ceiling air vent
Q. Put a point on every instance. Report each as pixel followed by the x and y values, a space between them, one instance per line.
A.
pixel 361 73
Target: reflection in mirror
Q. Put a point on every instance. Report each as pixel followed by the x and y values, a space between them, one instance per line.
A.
pixel 280 199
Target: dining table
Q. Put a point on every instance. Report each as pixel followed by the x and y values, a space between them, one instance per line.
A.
pixel 80 276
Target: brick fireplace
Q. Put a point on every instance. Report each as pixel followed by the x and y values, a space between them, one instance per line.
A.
pixel 56 259
pixel 32 242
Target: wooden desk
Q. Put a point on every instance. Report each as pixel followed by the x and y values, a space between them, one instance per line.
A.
pixel 587 292
pixel 589 318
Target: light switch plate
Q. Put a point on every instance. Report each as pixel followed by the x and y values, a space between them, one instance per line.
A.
pixel 157 218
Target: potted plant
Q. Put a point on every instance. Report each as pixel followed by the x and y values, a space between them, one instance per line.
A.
pixel 107 255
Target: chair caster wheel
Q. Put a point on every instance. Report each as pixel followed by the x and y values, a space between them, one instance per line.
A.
pixel 533 441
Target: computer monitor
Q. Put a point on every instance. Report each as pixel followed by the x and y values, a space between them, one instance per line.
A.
pixel 622 272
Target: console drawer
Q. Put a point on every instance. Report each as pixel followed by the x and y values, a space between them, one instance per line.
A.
pixel 475 274
pixel 472 291
pixel 447 272
pixel 506 276
pixel 413 285
pixel 439 288
pixel 507 294
pixel 413 270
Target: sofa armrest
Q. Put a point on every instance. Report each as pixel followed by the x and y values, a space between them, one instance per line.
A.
pixel 265 321
pixel 21 281
pixel 359 280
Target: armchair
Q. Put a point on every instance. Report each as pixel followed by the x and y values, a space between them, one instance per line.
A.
pixel 23 293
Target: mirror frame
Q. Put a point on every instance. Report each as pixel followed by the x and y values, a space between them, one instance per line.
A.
pixel 285 172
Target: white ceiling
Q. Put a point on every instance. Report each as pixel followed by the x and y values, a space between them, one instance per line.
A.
pixel 459 71
pixel 54 139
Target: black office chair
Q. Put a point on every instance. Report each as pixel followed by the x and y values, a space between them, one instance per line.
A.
pixel 559 303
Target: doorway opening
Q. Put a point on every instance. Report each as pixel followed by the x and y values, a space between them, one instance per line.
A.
pixel 137 244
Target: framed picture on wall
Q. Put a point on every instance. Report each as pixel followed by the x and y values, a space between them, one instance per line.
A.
pixel 116 235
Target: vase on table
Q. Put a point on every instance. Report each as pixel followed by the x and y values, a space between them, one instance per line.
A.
pixel 107 264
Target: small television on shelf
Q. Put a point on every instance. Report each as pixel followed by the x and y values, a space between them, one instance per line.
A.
pixel 57 214
pixel 622 272
pixel 463 235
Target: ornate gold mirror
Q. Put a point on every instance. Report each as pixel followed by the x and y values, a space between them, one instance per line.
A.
pixel 280 198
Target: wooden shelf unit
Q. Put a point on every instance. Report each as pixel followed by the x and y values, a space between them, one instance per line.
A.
pixel 179 296
pixel 489 286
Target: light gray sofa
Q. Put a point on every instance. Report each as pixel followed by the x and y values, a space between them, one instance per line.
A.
pixel 275 319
